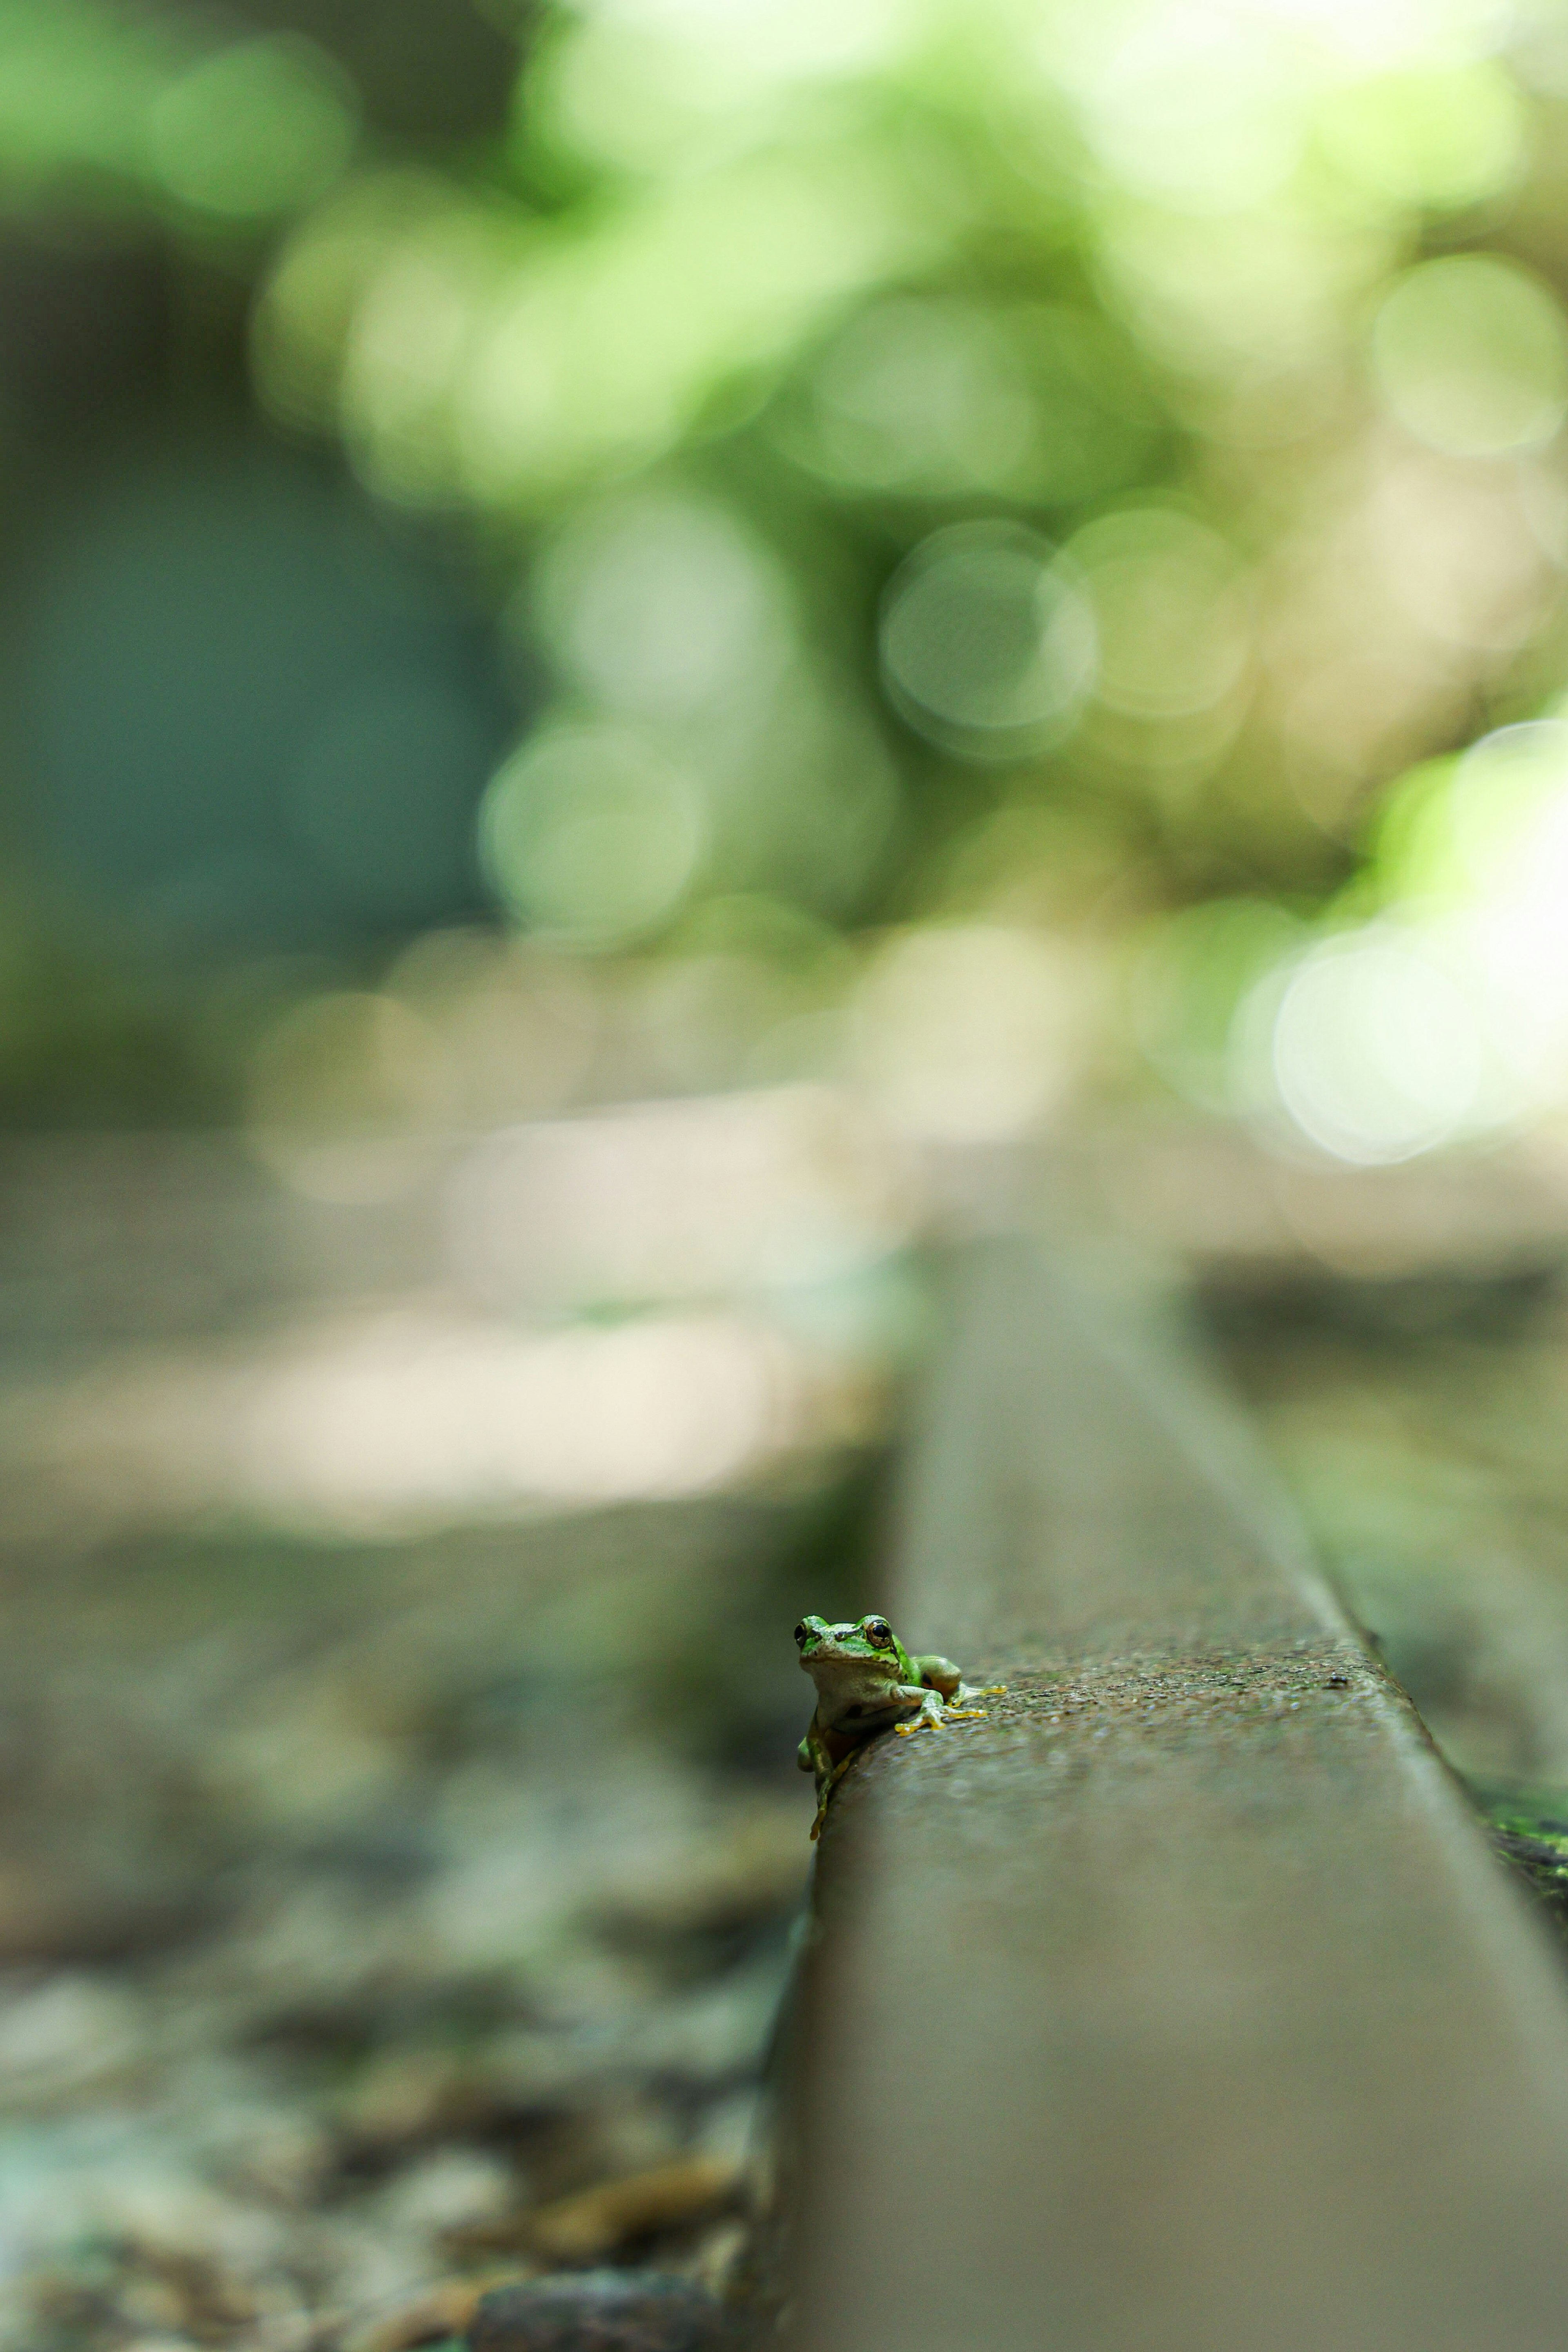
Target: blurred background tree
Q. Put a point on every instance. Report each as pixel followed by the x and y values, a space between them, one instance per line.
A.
pixel 955 541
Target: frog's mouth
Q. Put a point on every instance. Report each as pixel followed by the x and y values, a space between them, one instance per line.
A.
pixel 857 1697
pixel 833 1655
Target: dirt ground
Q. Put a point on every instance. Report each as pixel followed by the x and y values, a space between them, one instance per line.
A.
pixel 382 1914
pixel 363 1910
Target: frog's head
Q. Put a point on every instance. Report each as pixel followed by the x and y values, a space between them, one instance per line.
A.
pixel 831 1654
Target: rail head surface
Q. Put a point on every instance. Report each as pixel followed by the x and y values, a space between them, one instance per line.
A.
pixel 1179 2005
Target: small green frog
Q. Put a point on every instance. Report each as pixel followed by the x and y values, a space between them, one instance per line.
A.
pixel 867 1682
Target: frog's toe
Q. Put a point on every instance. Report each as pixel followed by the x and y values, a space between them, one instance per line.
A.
pixel 966 1713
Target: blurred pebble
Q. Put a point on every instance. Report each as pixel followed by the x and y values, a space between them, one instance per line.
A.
pixel 439 2312
pixel 731 2127
pixel 455 1976
pixel 402 2096
pixel 748 1867
pixel 277 2153
pixel 372 2269
pixel 68 2032
pixel 633 2129
pixel 672 2196
pixel 152 2302
pixel 721 2256
pixel 454 2189
pixel 603 2310
pixel 714 2034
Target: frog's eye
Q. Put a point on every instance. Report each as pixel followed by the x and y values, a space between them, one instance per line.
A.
pixel 878 1633
pixel 800 1637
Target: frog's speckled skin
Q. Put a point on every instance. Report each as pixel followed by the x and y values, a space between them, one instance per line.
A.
pixel 867 1682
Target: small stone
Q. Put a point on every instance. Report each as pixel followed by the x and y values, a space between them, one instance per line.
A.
pixel 71 2030
pixel 433 2316
pixel 403 2094
pixel 153 2303
pixel 672 2196
pixel 603 2311
pixel 453 2189
pixel 731 2127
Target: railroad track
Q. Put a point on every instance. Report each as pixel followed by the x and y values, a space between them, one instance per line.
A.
pixel 1180 2005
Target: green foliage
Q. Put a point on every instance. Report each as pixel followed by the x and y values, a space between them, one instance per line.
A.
pixel 897 428
pixel 783 291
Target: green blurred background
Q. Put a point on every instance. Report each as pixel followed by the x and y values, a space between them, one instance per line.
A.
pixel 1010 553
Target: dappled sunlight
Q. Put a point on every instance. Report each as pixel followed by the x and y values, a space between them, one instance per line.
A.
pixel 589 836
pixel 988 643
pixel 253 131
pixel 1443 1017
pixel 970 1035
pixel 344 1091
pixel 406 1423
pixel 412 1420
pixel 1471 355
pixel 1223 529
pixel 1375 1050
pixel 234 131
pixel 695 1199
pixel 958 493
pixel 1170 610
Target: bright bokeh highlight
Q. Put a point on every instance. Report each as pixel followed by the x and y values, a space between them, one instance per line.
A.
pixel 1441 1020
pixel 591 837
pixel 1471 354
pixel 988 642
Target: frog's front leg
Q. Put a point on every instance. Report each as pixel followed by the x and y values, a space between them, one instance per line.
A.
pixel 829 1760
pixel 934 1708
pixel 942 1675
pixel 926 1710
pixel 939 1674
